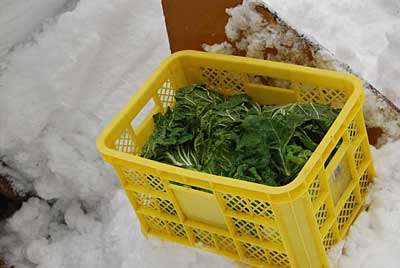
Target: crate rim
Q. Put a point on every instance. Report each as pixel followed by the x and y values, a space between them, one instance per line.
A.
pixel 291 189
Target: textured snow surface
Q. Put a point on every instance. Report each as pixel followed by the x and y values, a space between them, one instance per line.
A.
pixel 364 34
pixel 59 90
pixel 19 18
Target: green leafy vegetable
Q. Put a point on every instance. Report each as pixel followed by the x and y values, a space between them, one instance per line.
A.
pixel 235 137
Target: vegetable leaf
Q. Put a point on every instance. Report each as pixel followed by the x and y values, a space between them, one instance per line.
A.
pixel 236 137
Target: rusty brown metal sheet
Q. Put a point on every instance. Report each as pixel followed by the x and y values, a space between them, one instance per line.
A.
pixel 193 23
pixel 3 263
pixel 9 200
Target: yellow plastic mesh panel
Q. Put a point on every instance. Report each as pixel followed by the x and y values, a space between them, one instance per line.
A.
pixel 346 211
pixel 364 182
pixel 154 203
pixel 321 216
pixel 334 97
pixel 156 224
pixel 308 93
pixel 314 189
pixel 177 229
pixel 166 206
pixel 353 130
pixel 138 178
pixel 222 81
pixel 203 238
pixel 226 244
pixel 134 177
pixel 125 142
pixel 358 156
pixel 144 200
pixel 279 259
pixel 270 81
pixel 262 209
pixel 254 252
pixel 312 93
pixel 329 239
pixel 236 203
pixel 166 93
pixel 155 183
pixel 245 228
pixel 270 234
pixel 248 206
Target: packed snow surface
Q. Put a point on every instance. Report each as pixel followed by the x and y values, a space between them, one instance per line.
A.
pixel 61 88
pixel 19 18
pixel 364 34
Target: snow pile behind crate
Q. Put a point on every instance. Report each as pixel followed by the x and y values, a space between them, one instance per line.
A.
pixel 250 32
pixel 364 34
pixel 60 90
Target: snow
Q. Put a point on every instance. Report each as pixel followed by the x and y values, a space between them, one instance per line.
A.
pixel 248 32
pixel 108 237
pixel 364 34
pixel 222 48
pixel 59 90
pixel 62 86
pixel 19 18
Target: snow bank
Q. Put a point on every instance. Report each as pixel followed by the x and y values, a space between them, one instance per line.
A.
pixel 362 34
pixel 389 64
pixel 40 236
pixel 250 33
pixel 19 18
pixel 58 92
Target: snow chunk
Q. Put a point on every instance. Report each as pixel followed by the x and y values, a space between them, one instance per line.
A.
pixel 32 220
pixel 389 65
pixel 222 48
pixel 19 18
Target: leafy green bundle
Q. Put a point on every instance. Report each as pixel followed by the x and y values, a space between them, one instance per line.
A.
pixel 235 137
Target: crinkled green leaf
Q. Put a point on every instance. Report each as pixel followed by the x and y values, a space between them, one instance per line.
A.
pixel 236 137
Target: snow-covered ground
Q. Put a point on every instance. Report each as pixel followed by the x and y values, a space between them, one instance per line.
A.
pixel 61 87
pixel 19 18
pixel 363 33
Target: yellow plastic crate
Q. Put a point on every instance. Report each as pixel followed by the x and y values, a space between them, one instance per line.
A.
pixel 287 226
